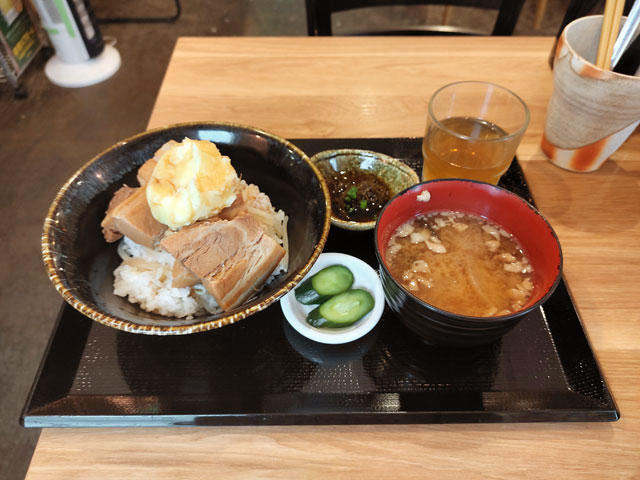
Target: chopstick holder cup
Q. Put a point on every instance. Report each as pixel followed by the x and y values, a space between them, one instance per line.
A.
pixel 592 111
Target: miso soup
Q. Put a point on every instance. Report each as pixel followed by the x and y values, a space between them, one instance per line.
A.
pixel 461 263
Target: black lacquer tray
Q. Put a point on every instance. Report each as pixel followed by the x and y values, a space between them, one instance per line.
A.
pixel 261 371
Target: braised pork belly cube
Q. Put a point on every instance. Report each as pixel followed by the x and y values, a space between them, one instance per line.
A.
pixel 129 214
pixel 120 196
pixel 182 277
pixel 146 169
pixel 233 258
pixel 237 208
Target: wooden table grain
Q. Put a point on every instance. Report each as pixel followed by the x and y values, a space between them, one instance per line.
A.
pixel 379 87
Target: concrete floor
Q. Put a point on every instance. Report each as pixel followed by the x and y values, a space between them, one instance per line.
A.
pixel 47 136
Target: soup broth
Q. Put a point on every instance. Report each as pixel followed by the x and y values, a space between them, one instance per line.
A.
pixel 461 263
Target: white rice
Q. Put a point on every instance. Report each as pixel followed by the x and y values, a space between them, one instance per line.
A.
pixel 145 277
pixel 127 249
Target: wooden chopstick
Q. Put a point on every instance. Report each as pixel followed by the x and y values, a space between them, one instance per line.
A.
pixel 607 20
pixel 613 34
pixel 609 32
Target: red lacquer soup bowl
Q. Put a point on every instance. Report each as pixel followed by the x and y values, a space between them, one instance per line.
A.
pixel 506 209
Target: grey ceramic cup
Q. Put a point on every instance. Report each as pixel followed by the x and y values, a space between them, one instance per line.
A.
pixel 592 111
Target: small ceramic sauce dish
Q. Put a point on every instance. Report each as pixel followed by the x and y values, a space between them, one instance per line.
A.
pixel 361 182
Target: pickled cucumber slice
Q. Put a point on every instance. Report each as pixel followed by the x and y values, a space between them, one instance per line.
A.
pixel 342 310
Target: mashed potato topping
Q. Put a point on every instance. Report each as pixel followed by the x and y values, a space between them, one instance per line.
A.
pixel 191 181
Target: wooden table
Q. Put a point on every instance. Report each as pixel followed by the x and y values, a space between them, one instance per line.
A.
pixel 379 87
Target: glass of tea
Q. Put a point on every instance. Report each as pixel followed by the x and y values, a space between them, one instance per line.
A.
pixel 473 131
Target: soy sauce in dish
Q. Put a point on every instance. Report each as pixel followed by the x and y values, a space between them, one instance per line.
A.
pixel 358 195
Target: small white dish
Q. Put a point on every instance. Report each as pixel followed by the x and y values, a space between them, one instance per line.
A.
pixel 365 277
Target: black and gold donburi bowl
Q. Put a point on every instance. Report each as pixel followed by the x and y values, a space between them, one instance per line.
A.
pixel 80 263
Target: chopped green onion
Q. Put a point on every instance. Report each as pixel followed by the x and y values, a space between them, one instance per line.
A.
pixel 363 204
pixel 352 192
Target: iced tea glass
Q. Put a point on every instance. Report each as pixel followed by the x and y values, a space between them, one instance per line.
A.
pixel 473 131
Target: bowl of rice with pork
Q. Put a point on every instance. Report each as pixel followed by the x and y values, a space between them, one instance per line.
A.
pixel 186 228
